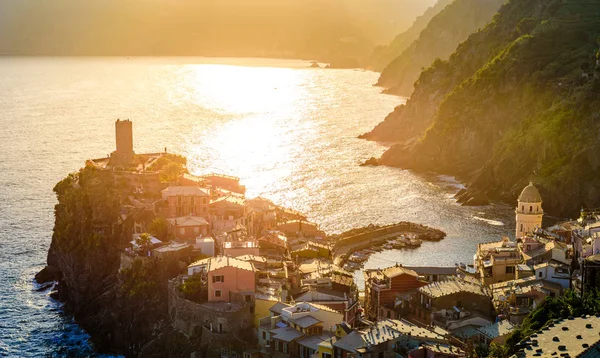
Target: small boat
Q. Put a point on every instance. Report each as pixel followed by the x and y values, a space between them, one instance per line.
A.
pixel 415 242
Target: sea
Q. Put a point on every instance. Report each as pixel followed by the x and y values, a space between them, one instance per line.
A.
pixel 287 130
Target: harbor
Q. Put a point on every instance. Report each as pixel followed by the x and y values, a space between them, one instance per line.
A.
pixel 351 251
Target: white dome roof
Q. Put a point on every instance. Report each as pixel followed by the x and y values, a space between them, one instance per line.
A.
pixel 530 194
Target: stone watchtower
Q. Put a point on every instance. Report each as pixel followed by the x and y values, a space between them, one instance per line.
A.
pixel 529 211
pixel 124 136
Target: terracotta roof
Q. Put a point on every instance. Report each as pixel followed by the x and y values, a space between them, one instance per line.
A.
pixel 497 329
pixel 432 270
pixel 219 262
pixel 276 308
pixel 305 321
pixel 286 334
pixel 230 199
pixel 184 221
pixel 449 287
pixel 184 191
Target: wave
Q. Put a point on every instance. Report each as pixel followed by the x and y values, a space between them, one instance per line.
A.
pixel 489 221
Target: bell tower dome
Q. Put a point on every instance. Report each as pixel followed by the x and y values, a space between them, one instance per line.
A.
pixel 529 211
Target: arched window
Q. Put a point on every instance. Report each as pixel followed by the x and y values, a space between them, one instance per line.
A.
pixel 530 208
pixel 521 227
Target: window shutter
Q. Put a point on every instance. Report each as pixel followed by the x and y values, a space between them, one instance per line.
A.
pixel 213 279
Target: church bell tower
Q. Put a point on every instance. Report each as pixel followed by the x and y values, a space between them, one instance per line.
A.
pixel 529 211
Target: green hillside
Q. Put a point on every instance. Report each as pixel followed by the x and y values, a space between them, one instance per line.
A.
pixel 517 101
pixel 383 55
pixel 439 39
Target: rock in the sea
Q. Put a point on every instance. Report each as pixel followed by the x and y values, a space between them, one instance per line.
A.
pixel 371 161
pixel 48 274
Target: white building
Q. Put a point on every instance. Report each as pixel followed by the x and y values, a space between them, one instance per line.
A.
pixel 206 245
pixel 529 211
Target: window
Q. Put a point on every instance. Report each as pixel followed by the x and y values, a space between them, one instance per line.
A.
pixel 540 274
pixel 510 269
pixel 530 208
pixel 204 202
pixel 285 347
pixel 521 228
pixel 389 314
pixel 179 199
pixel 192 201
pixel 217 293
pixel 196 230
pixel 218 278
pixel 264 335
pixel 522 207
pixel 325 355
pixel 380 355
pixel 220 326
pixel 182 231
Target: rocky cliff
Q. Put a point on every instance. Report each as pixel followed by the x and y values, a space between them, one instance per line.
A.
pixel 448 28
pixel 122 310
pixel 517 101
pixel 383 55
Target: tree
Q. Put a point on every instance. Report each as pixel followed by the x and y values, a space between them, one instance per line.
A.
pixel 171 173
pixel 144 242
pixel 159 228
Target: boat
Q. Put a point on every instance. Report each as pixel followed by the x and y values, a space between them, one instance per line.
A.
pixel 415 242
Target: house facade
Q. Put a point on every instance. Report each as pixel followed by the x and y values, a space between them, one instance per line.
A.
pixel 230 279
pixel 186 200
pixel 382 286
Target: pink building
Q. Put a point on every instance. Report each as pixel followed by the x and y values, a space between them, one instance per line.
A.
pixel 186 200
pixel 230 279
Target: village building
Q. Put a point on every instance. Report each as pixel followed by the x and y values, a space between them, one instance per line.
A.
pixel 497 261
pixel 387 339
pixel 346 303
pixel 228 212
pixel 262 215
pixel 496 332
pixel 297 330
pixel 452 304
pixel 310 250
pixel 205 246
pixel 188 228
pixel 186 200
pixel 529 212
pixel 301 228
pixel 241 248
pixel 226 182
pixel 173 251
pixel 434 273
pixel 591 273
pixel 516 299
pixel 229 279
pixel 545 251
pixel 382 286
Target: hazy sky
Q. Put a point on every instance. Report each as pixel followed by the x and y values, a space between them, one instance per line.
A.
pixel 196 26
